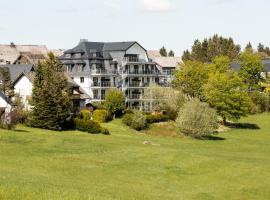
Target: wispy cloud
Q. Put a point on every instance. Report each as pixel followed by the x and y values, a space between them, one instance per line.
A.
pixel 112 4
pixel 156 5
pixel 218 2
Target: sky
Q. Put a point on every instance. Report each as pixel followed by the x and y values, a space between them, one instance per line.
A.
pixel 153 23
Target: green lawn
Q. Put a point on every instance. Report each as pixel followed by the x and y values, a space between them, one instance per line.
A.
pixel 38 164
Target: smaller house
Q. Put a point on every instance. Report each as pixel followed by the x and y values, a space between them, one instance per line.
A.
pixel 167 64
pixel 23 86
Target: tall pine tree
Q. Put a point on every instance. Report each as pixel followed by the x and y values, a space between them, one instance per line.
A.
pixel 50 98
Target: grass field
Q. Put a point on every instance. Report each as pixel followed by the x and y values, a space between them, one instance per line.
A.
pixel 38 164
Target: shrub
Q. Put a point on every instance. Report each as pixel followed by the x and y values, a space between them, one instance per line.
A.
pixel 84 123
pixel 115 102
pixel 127 119
pixel 197 119
pixel 105 131
pixel 157 118
pixel 260 102
pixel 8 120
pixel 101 115
pixel 137 120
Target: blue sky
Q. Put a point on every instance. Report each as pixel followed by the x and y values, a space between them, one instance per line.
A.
pixel 153 23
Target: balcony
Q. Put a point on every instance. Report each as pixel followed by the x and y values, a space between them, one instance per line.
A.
pixel 135 96
pixel 103 84
pixel 140 72
pixel 104 72
pixel 136 84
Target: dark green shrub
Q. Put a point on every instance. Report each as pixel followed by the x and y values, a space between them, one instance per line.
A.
pixel 137 120
pixel 197 119
pixel 84 123
pixel 101 115
pixel 156 118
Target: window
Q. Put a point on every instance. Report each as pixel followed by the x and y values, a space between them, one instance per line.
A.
pixel 82 79
pixel 68 55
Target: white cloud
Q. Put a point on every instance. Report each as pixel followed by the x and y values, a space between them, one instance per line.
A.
pixel 156 5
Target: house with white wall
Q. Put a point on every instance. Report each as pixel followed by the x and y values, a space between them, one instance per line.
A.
pixel 23 87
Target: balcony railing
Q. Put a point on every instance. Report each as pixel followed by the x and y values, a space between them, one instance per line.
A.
pixel 137 84
pixel 130 59
pixel 103 84
pixel 104 72
pixel 135 96
pixel 140 72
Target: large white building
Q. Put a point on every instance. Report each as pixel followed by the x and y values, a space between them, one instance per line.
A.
pixel 98 66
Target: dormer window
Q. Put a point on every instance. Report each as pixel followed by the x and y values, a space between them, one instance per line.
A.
pixel 77 55
pixel 67 55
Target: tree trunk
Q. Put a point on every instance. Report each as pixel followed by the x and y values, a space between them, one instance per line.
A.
pixel 224 121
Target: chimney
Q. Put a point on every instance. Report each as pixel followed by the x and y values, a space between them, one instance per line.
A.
pixel 83 40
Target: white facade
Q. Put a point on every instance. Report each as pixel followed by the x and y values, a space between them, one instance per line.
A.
pixel 23 87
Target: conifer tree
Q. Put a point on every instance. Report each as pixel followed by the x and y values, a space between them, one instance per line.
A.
pixel 6 85
pixel 171 53
pixel 163 52
pixel 50 98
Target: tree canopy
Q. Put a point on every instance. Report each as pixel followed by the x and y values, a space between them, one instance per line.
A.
pixel 210 48
pixel 115 102
pixel 227 93
pixel 50 98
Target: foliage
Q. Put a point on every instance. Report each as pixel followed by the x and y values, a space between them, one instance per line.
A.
pixel 197 119
pixel 210 48
pixel 22 112
pixel 251 67
pixel 227 94
pixel 101 115
pixel 165 99
pixel 190 78
pixel 84 123
pixel 221 64
pixel 50 99
pixel 8 120
pixel 6 85
pixel 171 53
pixel 260 102
pixel 163 52
pixel 155 118
pixel 137 120
pixel 115 102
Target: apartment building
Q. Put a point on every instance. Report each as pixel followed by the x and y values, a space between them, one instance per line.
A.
pixel 100 66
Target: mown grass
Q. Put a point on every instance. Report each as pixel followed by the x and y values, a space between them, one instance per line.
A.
pixel 38 164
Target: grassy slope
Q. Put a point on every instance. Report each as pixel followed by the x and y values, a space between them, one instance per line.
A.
pixel 37 164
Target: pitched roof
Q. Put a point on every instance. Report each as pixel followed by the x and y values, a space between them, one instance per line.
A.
pixel 10 53
pixel 152 54
pixel 168 61
pixel 16 70
pixel 102 47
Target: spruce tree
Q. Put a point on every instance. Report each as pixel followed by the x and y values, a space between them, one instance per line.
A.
pixel 50 98
pixel 171 53
pixel 163 52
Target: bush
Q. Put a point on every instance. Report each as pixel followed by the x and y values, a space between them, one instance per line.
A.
pixel 115 102
pixel 8 120
pixel 157 118
pixel 260 102
pixel 137 120
pixel 101 115
pixel 197 119
pixel 84 123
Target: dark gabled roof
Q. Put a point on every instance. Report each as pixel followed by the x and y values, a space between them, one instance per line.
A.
pixel 100 47
pixel 117 46
pixel 266 63
pixel 16 70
